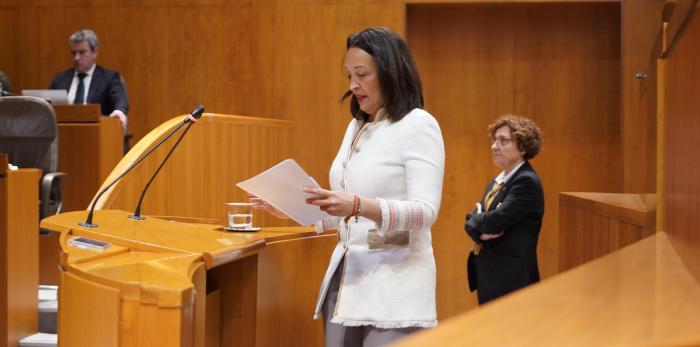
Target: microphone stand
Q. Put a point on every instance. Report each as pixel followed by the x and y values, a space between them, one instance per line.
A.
pixel 137 211
pixel 191 118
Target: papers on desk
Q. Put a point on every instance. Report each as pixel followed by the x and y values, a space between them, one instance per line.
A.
pixel 282 187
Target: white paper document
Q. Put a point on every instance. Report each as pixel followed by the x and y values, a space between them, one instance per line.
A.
pixel 282 186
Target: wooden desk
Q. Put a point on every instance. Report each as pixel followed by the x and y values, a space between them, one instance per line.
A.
pixel 19 253
pixel 641 295
pixel 201 285
pixel 594 224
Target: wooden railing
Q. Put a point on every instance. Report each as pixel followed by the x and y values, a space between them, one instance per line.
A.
pixel 594 224
pixel 641 295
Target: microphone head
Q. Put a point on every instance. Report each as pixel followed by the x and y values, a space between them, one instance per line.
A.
pixel 197 112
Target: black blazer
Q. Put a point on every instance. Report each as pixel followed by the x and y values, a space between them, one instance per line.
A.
pixel 106 88
pixel 509 262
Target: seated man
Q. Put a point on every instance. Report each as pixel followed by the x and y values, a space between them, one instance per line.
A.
pixel 88 83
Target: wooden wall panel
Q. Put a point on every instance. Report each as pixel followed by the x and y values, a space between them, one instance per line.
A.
pixel 298 50
pixel 676 16
pixel 640 23
pixel 273 59
pixel 682 124
pixel 481 61
pixel 172 57
pixel 8 41
pixel 572 92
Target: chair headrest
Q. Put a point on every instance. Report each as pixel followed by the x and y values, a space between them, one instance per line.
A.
pixel 26 117
pixel 28 132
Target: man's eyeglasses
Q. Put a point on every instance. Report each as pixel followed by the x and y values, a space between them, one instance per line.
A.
pixel 501 141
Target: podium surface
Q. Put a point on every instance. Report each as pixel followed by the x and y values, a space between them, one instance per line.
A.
pixel 197 281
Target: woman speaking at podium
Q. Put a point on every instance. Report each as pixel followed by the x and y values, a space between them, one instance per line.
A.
pixel 386 185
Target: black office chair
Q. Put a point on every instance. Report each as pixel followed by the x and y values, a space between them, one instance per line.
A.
pixel 29 136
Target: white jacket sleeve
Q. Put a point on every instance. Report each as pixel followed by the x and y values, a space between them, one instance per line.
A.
pixel 424 162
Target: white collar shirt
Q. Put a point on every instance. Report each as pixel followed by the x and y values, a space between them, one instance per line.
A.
pixel 502 178
pixel 86 84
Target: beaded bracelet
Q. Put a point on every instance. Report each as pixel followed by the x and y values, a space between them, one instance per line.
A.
pixel 355 209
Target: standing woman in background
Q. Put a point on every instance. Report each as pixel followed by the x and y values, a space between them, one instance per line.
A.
pixel 385 190
pixel 506 223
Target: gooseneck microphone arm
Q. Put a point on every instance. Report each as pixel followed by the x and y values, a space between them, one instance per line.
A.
pixel 191 118
pixel 137 210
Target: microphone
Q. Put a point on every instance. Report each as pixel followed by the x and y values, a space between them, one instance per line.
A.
pixel 190 118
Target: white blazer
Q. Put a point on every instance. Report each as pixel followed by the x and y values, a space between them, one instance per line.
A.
pixel 401 164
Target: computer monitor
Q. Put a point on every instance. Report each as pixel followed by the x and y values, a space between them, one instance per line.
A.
pixel 55 96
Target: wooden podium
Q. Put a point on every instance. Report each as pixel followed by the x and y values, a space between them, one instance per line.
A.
pixel 178 281
pixel 89 146
pixel 169 283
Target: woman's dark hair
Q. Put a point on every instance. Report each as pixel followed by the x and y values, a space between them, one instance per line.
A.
pixel 527 134
pixel 399 81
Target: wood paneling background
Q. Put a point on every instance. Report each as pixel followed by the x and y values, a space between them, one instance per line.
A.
pixel 282 59
pixel 279 59
pixel 682 124
pixel 481 61
pixel 638 124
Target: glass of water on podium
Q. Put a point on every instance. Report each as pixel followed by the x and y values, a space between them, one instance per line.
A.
pixel 240 216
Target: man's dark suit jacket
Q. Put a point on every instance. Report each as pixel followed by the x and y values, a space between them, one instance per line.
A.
pixel 106 89
pixel 509 262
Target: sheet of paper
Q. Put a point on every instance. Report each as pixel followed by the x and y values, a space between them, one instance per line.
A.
pixel 282 187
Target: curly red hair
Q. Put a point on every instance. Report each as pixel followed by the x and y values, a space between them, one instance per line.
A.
pixel 526 133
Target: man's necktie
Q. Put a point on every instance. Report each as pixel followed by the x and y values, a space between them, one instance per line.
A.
pixel 491 195
pixel 80 93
